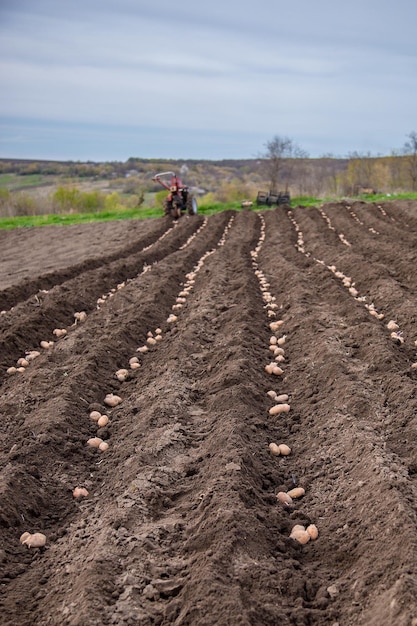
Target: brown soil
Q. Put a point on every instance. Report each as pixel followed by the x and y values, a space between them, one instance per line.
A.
pixel 182 525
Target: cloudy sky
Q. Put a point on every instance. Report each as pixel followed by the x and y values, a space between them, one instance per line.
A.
pixel 109 79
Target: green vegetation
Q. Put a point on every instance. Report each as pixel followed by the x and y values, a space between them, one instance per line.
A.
pixel 111 214
pixel 309 201
pixel 383 197
pixel 14 182
pixel 76 218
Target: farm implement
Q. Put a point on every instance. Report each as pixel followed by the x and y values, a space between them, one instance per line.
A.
pixel 264 198
pixel 179 199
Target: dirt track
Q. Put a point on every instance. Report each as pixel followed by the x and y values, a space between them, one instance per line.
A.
pixel 182 525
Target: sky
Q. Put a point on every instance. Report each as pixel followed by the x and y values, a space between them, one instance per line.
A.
pixel 105 80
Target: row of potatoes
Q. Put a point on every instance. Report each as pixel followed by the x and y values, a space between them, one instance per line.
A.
pixel 79 316
pixel 395 332
pixel 152 340
pixel 299 533
pixel 112 400
pixel 30 355
pixel 37 539
pixel 356 218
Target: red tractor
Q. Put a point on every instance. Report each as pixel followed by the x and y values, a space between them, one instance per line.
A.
pixel 179 199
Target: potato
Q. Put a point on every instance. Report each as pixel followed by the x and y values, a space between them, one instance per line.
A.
pixel 95 415
pixel 279 408
pixel 281 398
pixel 282 340
pixel 122 375
pixel 94 442
pixel 151 341
pixel 80 316
pixel 273 340
pixel 272 394
pixel 298 527
pixel 59 332
pixel 103 446
pixel 300 535
pixel 32 355
pixel 37 540
pixel 112 400
pixel 397 337
pixel 45 345
pixel 102 421
pixel 24 537
pixel 11 370
pixel 312 531
pixel 284 498
pixel 297 492
pixel 284 449
pixel 80 492
pixel 274 449
pixel 22 362
pixel 274 326
pixel 134 366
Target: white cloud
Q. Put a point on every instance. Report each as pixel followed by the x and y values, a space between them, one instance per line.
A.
pixel 309 70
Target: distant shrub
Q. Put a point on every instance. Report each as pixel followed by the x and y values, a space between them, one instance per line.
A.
pixel 23 205
pixel 113 202
pixel 160 197
pixel 71 199
pixel 92 201
pixel 135 201
pixel 231 191
pixel 4 202
pixel 208 199
pixel 67 199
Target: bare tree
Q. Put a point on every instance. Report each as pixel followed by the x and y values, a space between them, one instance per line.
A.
pixel 410 149
pixel 278 159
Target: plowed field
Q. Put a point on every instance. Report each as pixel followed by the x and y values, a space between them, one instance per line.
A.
pixel 181 524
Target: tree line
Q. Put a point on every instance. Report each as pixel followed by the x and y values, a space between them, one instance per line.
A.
pixel 289 167
pixel 282 166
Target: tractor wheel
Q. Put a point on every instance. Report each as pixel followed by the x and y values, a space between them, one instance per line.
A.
pixel 171 209
pixel 191 205
pixel 176 207
pixel 167 206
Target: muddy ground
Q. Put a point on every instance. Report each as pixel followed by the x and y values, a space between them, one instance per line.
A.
pixel 181 524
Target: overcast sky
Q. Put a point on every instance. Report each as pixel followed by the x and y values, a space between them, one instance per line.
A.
pixel 109 79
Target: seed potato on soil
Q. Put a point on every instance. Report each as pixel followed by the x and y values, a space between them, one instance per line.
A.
pixel 183 525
